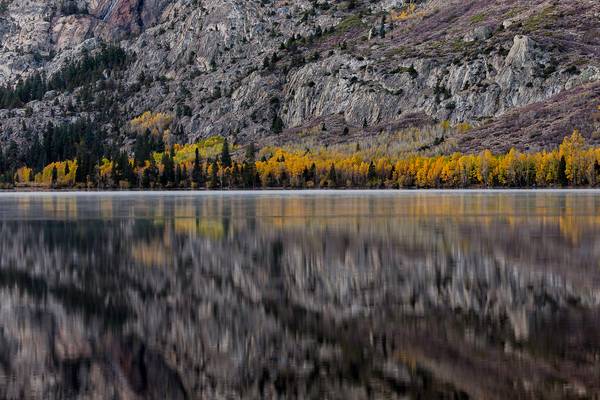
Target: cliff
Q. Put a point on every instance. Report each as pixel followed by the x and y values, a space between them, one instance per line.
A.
pixel 519 73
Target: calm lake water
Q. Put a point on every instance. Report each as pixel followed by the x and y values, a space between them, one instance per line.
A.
pixel 300 295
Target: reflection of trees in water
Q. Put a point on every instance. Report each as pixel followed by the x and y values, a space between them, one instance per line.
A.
pixel 526 230
pixel 362 281
pixel 574 213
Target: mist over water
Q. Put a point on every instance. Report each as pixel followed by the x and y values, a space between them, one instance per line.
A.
pixel 339 295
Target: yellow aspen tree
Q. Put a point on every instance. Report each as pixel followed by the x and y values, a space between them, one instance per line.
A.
pixel 572 149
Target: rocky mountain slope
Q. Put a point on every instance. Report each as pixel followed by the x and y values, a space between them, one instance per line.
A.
pixel 506 73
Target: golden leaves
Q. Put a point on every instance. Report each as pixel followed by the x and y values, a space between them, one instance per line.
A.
pixel 156 123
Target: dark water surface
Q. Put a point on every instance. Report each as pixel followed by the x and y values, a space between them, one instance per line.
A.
pixel 308 295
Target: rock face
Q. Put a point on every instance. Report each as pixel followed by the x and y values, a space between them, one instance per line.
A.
pixel 239 65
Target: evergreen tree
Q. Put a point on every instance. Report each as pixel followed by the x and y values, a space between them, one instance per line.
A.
pixel 83 167
pixel 184 176
pixel 257 181
pixel 271 182
pixel 156 142
pixel 122 170
pixel 225 156
pixel 128 172
pixel 12 156
pixel 35 158
pixel 197 176
pixel 226 178
pixel 392 172
pixel 141 149
pixel 54 175
pixel 562 172
pixel 214 175
pixel 250 153
pixel 305 176
pixel 47 144
pixel 146 178
pixel 2 162
pixel 277 125
pixel 283 178
pixel 249 167
pixel 236 176
pixel 168 175
pixel 332 176
pixel 10 177
pixel 79 177
pixel 115 174
pixel 150 176
pixel 177 175
pixel 313 173
pixel 371 173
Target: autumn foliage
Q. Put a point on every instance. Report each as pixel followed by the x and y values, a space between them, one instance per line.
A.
pixel 210 164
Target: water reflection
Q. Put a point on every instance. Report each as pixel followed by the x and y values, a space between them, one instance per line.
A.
pixel 300 295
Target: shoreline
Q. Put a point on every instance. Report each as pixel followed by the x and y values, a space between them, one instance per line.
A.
pixel 304 191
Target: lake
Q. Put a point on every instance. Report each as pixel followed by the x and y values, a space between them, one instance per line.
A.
pixel 300 295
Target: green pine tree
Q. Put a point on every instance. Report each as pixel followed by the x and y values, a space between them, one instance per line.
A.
pixel 562 172
pixel 54 175
pixel 249 167
pixel 168 176
pixel 214 175
pixel 197 176
pixel 332 176
pixel 225 156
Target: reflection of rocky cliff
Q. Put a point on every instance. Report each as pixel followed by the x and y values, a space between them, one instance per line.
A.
pixel 223 298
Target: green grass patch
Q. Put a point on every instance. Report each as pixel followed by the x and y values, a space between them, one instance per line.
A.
pixel 461 45
pixel 478 18
pixel 349 23
pixel 540 20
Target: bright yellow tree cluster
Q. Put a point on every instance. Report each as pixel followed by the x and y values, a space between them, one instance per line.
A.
pixel 405 13
pixel 571 164
pixel 65 175
pixel 155 122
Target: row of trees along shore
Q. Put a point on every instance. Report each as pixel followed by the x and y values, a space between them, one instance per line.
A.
pixel 211 164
